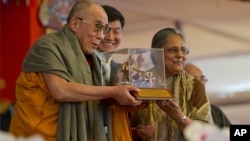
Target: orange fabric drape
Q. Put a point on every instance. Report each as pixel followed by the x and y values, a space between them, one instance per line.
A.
pixel 32 94
pixel 121 130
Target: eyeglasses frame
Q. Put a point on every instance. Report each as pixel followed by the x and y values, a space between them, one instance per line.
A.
pixel 175 50
pixel 98 27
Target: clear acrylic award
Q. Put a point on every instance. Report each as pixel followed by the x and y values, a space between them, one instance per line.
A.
pixel 141 67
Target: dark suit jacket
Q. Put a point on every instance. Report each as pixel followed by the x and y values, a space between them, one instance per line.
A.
pixel 220 119
pixel 115 67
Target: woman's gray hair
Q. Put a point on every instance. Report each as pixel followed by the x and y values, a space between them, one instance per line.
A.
pixel 160 37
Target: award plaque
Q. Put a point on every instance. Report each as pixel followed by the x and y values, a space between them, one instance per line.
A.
pixel 141 67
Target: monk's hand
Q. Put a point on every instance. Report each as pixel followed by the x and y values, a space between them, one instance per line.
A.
pixel 123 95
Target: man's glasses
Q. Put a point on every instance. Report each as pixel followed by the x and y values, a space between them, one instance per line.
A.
pixel 175 50
pixel 98 27
pixel 203 78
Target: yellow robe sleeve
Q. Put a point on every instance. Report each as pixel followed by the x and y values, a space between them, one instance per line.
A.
pixel 35 109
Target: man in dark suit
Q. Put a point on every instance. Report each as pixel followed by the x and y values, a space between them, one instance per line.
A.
pixel 116 115
pixel 112 40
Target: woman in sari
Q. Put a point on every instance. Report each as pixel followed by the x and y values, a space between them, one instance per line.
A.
pixel 166 120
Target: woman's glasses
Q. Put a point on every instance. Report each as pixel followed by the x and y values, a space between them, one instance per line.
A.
pixel 175 50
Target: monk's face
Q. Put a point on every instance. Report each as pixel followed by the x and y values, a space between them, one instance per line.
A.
pixel 91 27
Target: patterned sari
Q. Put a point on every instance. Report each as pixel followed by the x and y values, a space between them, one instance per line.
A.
pixel 190 94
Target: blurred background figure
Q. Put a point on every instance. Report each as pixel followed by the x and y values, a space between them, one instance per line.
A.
pixel 219 118
pixel 6 109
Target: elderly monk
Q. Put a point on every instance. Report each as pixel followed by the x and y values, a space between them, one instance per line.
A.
pixel 58 90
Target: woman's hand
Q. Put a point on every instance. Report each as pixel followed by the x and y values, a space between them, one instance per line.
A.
pixel 143 105
pixel 145 131
pixel 172 108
